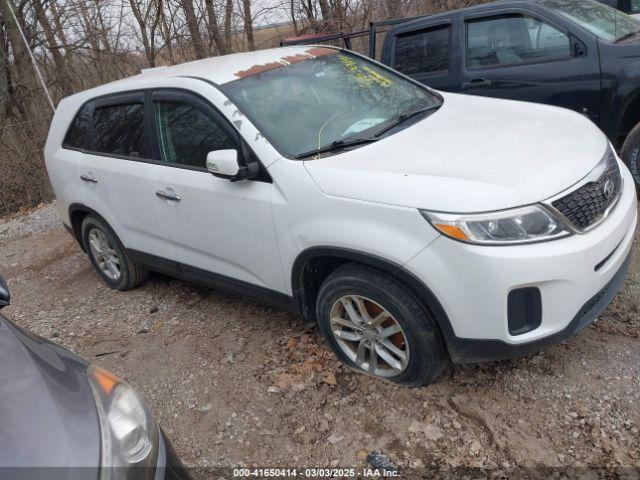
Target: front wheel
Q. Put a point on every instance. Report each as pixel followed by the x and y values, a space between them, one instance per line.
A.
pixel 631 154
pixel 376 326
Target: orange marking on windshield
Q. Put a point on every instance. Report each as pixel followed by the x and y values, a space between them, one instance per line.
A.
pixel 322 52
pixel 290 59
pixel 299 57
pixel 257 69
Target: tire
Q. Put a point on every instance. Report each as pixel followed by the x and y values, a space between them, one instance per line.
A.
pixel 129 274
pixel 419 338
pixel 631 154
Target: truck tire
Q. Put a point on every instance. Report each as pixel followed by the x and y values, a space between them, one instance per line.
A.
pixel 109 257
pixel 376 326
pixel 631 154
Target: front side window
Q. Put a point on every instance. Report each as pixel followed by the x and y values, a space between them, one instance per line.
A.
pixel 514 39
pixel 423 52
pixel 119 130
pixel 186 134
pixel 321 97
pixel 604 22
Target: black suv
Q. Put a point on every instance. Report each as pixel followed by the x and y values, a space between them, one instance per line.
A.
pixel 578 54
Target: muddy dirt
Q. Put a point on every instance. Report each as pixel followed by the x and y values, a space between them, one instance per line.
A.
pixel 235 383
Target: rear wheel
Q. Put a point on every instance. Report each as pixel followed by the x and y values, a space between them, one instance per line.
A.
pixel 109 257
pixel 376 326
pixel 631 153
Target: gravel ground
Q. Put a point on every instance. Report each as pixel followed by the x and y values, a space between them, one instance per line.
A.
pixel 44 218
pixel 235 383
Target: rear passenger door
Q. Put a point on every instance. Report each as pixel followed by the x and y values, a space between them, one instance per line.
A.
pixel 425 54
pixel 521 55
pixel 117 172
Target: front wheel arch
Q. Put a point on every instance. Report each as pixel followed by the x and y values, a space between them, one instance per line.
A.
pixel 331 258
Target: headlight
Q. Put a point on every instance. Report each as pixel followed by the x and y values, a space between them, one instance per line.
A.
pixel 129 433
pixel 520 225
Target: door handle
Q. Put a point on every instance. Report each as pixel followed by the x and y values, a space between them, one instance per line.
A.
pixel 477 83
pixel 168 196
pixel 88 177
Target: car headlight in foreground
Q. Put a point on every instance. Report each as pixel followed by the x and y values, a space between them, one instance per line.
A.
pixel 515 226
pixel 129 433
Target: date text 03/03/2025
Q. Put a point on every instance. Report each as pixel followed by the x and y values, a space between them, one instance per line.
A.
pixel 314 473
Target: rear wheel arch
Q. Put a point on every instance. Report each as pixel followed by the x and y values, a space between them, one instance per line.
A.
pixel 314 265
pixel 77 213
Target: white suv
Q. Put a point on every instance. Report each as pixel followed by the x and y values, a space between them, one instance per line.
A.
pixel 413 226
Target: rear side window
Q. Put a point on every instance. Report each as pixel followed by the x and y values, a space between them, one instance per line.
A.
pixel 119 130
pixel 78 134
pixel 187 134
pixel 423 51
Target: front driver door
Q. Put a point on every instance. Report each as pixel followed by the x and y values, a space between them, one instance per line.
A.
pixel 522 56
pixel 223 231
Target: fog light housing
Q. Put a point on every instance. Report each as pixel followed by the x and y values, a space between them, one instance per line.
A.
pixel 524 310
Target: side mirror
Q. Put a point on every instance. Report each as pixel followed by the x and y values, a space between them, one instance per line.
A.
pixel 224 164
pixel 4 293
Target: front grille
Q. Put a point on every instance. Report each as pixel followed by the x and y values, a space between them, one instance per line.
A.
pixel 587 205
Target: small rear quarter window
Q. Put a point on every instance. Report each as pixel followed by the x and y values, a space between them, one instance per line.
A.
pixel 78 133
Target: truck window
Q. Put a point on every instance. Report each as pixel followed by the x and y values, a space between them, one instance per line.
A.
pixel 119 130
pixel 514 39
pixel 423 51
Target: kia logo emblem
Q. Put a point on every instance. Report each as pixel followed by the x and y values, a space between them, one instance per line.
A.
pixel 609 189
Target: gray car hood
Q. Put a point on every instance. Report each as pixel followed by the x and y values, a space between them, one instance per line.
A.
pixel 48 416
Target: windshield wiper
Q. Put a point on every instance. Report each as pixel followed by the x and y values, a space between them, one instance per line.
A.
pixel 335 146
pixel 403 117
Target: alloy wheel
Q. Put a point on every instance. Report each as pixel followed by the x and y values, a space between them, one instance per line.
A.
pixel 104 254
pixel 369 335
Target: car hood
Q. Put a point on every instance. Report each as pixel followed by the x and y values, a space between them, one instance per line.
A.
pixel 48 416
pixel 474 154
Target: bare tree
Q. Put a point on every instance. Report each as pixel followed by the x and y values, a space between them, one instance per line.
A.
pixel 214 28
pixel 248 24
pixel 64 79
pixel 228 14
pixel 145 13
pixel 194 30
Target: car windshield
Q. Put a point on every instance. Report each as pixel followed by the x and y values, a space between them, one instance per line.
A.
pixel 323 97
pixel 604 22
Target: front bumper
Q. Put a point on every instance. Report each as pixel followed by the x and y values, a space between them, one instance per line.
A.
pixel 577 276
pixel 465 350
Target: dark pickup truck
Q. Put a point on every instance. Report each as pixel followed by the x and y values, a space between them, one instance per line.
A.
pixel 578 54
